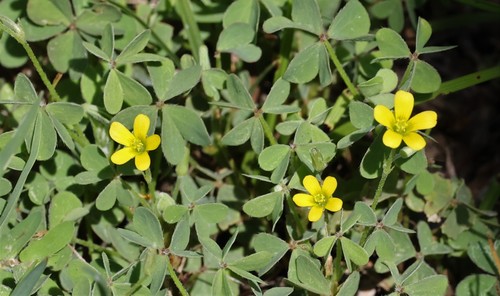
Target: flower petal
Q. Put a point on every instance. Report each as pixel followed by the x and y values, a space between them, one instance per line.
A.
pixel 123 155
pixel 141 126
pixel 152 142
pixel 142 161
pixel 303 200
pixel 392 139
pixel 315 213
pixel 312 185
pixel 383 115
pixel 422 121
pixel 329 186
pixel 403 105
pixel 334 204
pixel 414 141
pixel 120 134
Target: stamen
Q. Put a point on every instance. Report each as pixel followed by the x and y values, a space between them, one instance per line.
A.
pixel 400 126
pixel 138 146
pixel 320 199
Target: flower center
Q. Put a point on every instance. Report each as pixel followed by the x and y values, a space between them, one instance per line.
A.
pixel 320 199
pixel 400 126
pixel 138 146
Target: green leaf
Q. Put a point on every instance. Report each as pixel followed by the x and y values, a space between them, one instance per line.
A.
pixel 310 275
pixel 371 87
pixel 62 206
pixel 257 137
pixel 5 186
pixel 92 21
pixel 48 145
pixel 242 11
pixel 189 124
pixel 441 196
pixel 93 159
pixel 476 284
pixel 432 285
pixel 277 96
pixel 276 246
pixel 147 225
pixel 67 113
pixel 27 283
pixel 353 252
pixel 96 51
pixel 415 164
pixel 353 137
pixel 425 183
pixel 326 149
pixel 53 241
pixel 390 79
pixel 172 143
pixel 391 217
pixel 238 94
pixel 133 92
pixel 135 238
pixel 14 240
pixel 306 14
pixel 182 82
pixel 324 246
pixel 174 213
pixel 350 285
pixel 253 261
pixel 277 23
pixel 480 254
pixel 161 73
pixel 220 285
pixel 135 46
pixel 426 79
pixel 66 51
pixel 272 156
pixel 236 39
pixel 24 90
pixel 180 237
pixel 261 206
pixel 49 12
pixel 361 114
pixel 240 133
pixel 113 93
pixel 212 212
pixel 278 291
pixel 424 32
pixel 107 198
pixel 304 66
pixel 351 22
pixel 391 44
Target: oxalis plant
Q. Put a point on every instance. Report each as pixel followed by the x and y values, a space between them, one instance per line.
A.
pixel 266 147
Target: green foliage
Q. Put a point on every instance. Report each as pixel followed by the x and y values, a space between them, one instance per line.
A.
pixel 248 97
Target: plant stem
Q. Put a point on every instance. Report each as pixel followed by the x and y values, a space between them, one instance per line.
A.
pixel 291 206
pixel 340 69
pixel 386 170
pixel 336 268
pixel 267 130
pixel 53 93
pixel 194 37
pixel 93 247
pixel 176 280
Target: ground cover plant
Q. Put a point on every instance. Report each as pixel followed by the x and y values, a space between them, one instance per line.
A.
pixel 248 147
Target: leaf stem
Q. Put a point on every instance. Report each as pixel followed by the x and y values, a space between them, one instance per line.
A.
pixel 386 170
pixel 336 268
pixel 267 130
pixel 340 69
pixel 176 280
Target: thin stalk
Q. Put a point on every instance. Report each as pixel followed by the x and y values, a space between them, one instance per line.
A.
pixel 267 130
pixel 340 69
pixel 176 280
pixel 386 170
pixel 162 44
pixel 53 93
pixel 194 36
pixel 291 206
pixel 93 247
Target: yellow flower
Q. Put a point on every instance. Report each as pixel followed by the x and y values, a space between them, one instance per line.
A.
pixel 400 127
pixel 137 144
pixel 320 197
